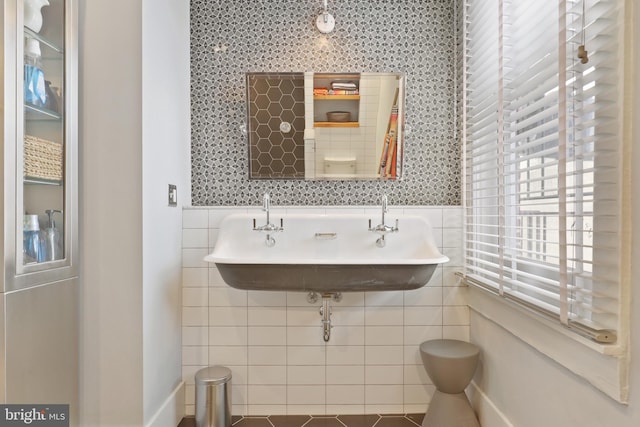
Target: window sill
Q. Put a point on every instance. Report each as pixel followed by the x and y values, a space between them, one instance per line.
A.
pixel 605 366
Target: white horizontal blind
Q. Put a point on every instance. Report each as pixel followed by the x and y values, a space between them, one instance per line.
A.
pixel 543 155
pixel 483 94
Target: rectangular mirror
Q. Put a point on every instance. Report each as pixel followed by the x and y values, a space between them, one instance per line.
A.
pixel 325 125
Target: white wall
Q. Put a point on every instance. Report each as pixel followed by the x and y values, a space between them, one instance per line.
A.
pixel 111 212
pixel 272 341
pixel 532 390
pixel 165 160
pixel 133 142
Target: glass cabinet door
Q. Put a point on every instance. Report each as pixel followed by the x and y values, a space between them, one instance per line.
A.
pixel 43 195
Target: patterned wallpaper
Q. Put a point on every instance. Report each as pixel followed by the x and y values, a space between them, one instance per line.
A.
pixel 232 37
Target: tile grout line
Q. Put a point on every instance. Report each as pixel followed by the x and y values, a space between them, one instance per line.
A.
pixel 336 417
pixel 286 353
pixel 404 294
pixel 364 355
pixel 411 420
pixel 208 302
pixel 326 390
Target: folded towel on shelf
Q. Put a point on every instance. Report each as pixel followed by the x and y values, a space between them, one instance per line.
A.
pixel 344 85
pixel 320 91
pixel 343 92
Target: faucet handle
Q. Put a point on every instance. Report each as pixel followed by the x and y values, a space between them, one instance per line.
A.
pixel 268 227
pixel 383 228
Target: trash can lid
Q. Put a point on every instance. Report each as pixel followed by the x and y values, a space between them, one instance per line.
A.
pixel 213 375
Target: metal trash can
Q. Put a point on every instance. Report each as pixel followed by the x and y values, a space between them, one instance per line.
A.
pixel 213 397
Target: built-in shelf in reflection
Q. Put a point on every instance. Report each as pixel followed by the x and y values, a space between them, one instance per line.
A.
pixel 41 181
pixel 32 34
pixel 40 113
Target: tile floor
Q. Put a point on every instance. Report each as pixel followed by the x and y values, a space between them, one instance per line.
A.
pixel 386 420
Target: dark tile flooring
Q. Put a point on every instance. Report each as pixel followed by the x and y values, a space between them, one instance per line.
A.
pixel 384 420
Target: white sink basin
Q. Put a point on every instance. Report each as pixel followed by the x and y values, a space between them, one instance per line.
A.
pixel 325 253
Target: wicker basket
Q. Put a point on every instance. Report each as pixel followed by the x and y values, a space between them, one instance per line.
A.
pixel 339 116
pixel 42 159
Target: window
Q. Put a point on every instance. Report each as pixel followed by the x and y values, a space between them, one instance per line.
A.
pixel 543 144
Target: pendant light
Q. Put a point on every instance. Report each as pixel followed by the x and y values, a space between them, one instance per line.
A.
pixel 325 21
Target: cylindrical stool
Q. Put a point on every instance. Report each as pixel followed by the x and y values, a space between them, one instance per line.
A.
pixel 450 365
pixel 213 397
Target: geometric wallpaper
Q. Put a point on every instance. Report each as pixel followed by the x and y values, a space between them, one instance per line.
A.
pixel 232 37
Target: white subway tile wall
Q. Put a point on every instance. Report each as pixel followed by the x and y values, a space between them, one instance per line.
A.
pixel 272 341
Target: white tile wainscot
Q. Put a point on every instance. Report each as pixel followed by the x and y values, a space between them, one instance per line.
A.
pixel 272 341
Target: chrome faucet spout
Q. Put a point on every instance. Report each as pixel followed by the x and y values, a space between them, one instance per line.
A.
pixel 266 204
pixel 384 206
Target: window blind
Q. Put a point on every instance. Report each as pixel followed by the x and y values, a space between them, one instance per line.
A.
pixel 542 154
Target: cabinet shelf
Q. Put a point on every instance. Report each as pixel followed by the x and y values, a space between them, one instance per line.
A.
pixel 31 34
pixel 336 124
pixel 40 113
pixel 40 181
pixel 336 97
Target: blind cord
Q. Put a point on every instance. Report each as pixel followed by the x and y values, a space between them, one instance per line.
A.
pixel 583 54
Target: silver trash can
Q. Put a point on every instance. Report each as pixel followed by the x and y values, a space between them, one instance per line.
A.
pixel 213 397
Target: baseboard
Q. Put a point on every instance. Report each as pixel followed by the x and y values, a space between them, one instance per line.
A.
pixel 488 413
pixel 172 410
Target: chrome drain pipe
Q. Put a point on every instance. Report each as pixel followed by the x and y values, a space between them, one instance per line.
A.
pixel 325 310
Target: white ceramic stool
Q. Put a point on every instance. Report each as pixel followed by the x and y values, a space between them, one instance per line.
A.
pixel 450 365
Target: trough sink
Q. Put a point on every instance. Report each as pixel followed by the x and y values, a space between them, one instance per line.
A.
pixel 325 253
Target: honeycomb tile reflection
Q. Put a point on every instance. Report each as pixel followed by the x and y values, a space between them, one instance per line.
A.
pixel 275 99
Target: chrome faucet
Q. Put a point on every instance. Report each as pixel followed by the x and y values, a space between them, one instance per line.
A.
pixel 266 205
pixel 268 227
pixel 383 229
pixel 384 206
